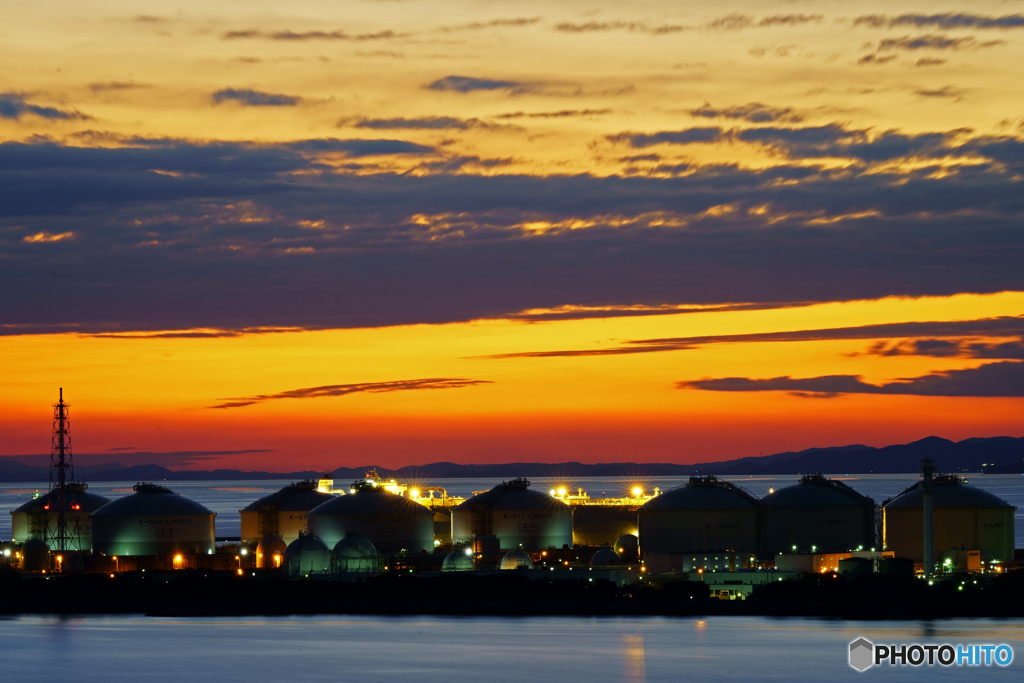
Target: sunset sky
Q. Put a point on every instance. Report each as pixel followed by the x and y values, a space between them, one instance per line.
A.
pixel 404 231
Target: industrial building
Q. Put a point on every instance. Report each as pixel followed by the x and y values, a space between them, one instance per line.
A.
pixel 281 514
pixel 153 521
pixel 392 523
pixel 37 518
pixel 707 514
pixel 516 516
pixel 818 514
pixel 965 517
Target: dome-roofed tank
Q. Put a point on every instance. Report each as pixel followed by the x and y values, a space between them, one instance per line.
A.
pixel 355 554
pixel 605 557
pixel 281 514
pixel 460 559
pixel 518 516
pixel 390 522
pixel 821 514
pixel 964 517
pixel 29 519
pixel 627 547
pixel 270 552
pixel 306 555
pixel 153 521
pixel 516 559
pixel 707 514
pixel 35 556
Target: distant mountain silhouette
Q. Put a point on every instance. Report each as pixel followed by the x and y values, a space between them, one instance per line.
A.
pixel 997 455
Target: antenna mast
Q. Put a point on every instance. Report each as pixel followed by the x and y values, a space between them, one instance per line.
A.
pixel 62 475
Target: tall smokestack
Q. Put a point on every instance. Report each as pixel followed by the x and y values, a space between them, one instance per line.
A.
pixel 927 469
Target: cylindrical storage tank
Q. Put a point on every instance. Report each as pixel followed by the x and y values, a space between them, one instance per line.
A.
pixel 964 517
pixel 281 514
pixel 602 524
pixel 390 522
pixel 818 514
pixel 518 516
pixel 705 515
pixel 442 526
pixel 153 521
pixel 270 552
pixel 29 519
pixel 306 555
pixel 354 554
pixel 35 556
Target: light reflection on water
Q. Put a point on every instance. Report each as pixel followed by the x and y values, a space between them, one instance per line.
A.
pixel 438 649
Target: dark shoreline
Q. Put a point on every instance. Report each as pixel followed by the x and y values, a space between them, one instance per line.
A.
pixel 214 594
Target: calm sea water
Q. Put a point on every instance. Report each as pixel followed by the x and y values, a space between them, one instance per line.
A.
pixel 431 649
pixel 226 498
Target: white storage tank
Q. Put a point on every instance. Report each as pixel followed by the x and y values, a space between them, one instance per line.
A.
pixel 153 521
pixel 820 515
pixel 518 516
pixel 390 522
pixel 30 519
pixel 281 514
pixel 707 514
pixel 964 517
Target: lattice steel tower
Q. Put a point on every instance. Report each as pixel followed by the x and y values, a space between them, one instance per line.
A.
pixel 61 539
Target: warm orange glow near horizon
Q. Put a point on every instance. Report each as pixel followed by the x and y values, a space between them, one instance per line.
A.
pixel 158 394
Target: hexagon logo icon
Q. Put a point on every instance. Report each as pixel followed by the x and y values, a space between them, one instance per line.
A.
pixel 861 654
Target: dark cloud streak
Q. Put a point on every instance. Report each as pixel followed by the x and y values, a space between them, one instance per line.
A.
pixel 346 389
pixel 1004 379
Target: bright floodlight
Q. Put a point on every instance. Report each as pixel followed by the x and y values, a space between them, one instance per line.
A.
pixel 561 491
pixel 637 491
pixel 553 492
pixel 244 551
pixel 469 551
pixel 415 493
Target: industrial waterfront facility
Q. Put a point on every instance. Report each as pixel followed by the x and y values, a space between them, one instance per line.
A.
pixel 709 530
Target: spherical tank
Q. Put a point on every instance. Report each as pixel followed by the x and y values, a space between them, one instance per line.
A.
pixel 964 517
pixel 306 555
pixel 705 515
pixel 152 521
pixel 460 559
pixel 270 552
pixel 516 559
pixel 281 514
pixel 627 547
pixel 28 520
pixel 820 514
pixel 355 554
pixel 390 522
pixel 605 557
pixel 518 516
pixel 602 524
